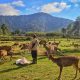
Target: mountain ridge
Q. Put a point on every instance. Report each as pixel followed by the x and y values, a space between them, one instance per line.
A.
pixel 41 22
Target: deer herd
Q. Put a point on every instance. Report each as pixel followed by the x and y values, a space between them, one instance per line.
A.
pixel 8 50
pixel 51 50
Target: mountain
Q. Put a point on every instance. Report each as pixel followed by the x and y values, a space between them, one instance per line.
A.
pixel 74 28
pixel 35 22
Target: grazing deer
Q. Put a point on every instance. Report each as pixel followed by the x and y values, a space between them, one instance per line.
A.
pixel 64 61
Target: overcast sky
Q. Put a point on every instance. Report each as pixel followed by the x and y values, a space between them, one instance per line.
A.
pixel 69 9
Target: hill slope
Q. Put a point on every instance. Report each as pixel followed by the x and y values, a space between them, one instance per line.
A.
pixel 35 22
pixel 74 28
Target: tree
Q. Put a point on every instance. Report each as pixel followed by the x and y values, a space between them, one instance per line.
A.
pixel 17 31
pixel 77 27
pixel 4 29
pixel 63 32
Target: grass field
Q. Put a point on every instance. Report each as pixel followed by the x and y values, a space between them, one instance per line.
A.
pixel 43 70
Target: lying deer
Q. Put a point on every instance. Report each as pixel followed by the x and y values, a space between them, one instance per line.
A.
pixel 64 61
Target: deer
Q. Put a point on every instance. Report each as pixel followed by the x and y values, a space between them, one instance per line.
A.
pixel 42 41
pixel 52 48
pixel 64 61
pixel 16 44
pixel 5 51
pixel 24 46
pixel 57 43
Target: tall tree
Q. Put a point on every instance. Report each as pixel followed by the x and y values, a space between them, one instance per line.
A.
pixel 5 30
pixel 63 32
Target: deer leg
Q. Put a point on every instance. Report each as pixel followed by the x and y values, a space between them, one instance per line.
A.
pixel 60 72
pixel 76 72
pixel 3 58
pixel 11 54
pixel 11 57
pixel 76 67
pixel 79 70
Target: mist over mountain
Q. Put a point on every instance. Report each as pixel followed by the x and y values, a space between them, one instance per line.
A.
pixel 41 22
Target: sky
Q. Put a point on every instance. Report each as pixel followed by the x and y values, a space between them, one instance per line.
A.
pixel 69 9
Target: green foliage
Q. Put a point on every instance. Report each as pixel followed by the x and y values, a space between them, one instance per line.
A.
pixel 28 38
pixel 14 38
pixel 73 29
pixel 63 32
pixel 17 32
pixel 53 34
pixel 4 30
pixel 37 33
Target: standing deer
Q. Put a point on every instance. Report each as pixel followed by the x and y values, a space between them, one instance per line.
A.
pixel 52 48
pixel 6 50
pixel 64 61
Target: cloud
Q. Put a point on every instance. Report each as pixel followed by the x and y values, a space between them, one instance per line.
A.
pixel 7 9
pixel 74 1
pixel 18 3
pixel 54 7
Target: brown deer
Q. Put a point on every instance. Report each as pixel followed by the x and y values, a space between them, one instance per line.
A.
pixel 42 41
pixel 52 48
pixel 3 53
pixel 64 61
pixel 8 49
pixel 57 43
pixel 24 46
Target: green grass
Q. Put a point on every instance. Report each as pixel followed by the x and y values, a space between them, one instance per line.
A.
pixel 43 70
